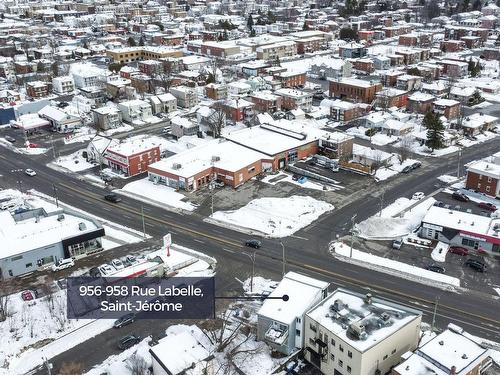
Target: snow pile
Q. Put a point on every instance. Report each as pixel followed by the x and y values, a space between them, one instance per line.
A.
pixel 447 179
pixel 396 167
pixel 122 363
pixel 440 251
pixel 74 162
pixel 274 217
pixel 260 285
pixel 147 191
pixel 82 134
pixel 391 266
pixel 388 227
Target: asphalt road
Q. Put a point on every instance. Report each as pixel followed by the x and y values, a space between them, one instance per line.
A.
pixel 306 251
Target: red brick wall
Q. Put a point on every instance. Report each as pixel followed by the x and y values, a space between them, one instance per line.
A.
pixel 480 183
pixel 136 165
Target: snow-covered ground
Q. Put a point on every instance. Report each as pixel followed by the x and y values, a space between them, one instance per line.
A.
pixel 158 194
pixel 74 162
pixel 273 217
pixel 23 150
pixel 393 267
pixel 395 167
pixel 387 226
pixel 439 252
pixel 378 139
pixel 448 179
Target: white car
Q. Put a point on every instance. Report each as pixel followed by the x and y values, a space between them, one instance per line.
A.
pixel 106 269
pixel 117 263
pixel 63 264
pixel 418 195
pixel 30 172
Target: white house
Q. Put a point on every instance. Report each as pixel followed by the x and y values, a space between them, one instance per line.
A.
pixel 63 85
pixel 135 111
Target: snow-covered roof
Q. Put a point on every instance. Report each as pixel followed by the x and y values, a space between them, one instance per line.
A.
pixel 370 153
pixel 379 318
pixel 357 82
pixel 421 97
pixel 20 236
pixel 302 291
pixel 446 102
pixel 220 154
pixel 485 168
pixel 477 120
pixel 134 145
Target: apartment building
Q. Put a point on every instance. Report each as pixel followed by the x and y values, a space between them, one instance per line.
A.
pixel 38 89
pixel 293 99
pixel 186 96
pixel 342 111
pixel 355 334
pixel 355 89
pixel 265 101
pixel 352 51
pixel 453 68
pixel 107 117
pixel 291 79
pixel 277 50
pixel 63 85
pixel 129 54
pixel 135 110
pixel 132 156
pixel 219 49
pixel 163 103
pixel 484 176
pixel 216 91
pixel 447 107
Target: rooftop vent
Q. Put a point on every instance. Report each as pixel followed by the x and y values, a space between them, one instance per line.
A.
pixel 385 316
pixel 368 298
pixel 82 226
pixel 464 356
pixel 338 305
pixel 358 329
pixel 215 158
pixel 60 217
pixel 176 166
pixel 441 342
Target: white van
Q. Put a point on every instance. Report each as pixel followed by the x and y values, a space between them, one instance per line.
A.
pixel 62 264
pixel 8 204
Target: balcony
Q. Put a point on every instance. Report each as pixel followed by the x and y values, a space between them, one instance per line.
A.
pixel 276 335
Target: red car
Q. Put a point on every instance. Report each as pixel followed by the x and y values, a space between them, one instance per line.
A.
pixel 487 206
pixel 27 295
pixel 33 145
pixel 458 250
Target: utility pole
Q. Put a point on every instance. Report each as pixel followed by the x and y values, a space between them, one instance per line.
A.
pixel 352 232
pixel 252 258
pixel 143 222
pixel 48 365
pixel 53 147
pixel 284 258
pixel 458 164
pixel 55 195
pixel 436 302
pixel 381 202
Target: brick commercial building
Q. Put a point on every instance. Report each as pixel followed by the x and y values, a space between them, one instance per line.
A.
pixel 293 99
pixel 129 54
pixel 132 157
pixel 342 111
pixel 265 101
pixel 219 49
pixel 485 177
pixel 291 79
pixel 355 89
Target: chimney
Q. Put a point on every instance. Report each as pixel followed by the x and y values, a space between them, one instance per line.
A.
pixel 453 370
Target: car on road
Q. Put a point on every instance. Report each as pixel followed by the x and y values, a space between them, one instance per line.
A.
pixel 397 243
pixel 106 269
pixel 124 320
pixel 407 169
pixel 256 244
pixel 63 264
pixel 416 165
pixel 295 177
pixel 439 204
pixel 30 172
pixel 10 139
pixel 302 180
pixel 476 265
pixel 460 196
pixel 112 197
pixel 436 268
pixel 128 341
pixel 418 195
pixel 459 250
pixel 487 206
pixel 33 145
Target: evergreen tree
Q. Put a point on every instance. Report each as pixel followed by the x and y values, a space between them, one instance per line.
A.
pixel 131 42
pixel 250 22
pixel 435 131
pixel 252 32
pixel 141 41
pixel 348 34
pixel 305 27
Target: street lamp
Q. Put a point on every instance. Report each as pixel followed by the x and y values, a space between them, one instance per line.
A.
pixel 252 258
pixel 284 258
pixel 458 163
pixel 353 218
pixel 55 195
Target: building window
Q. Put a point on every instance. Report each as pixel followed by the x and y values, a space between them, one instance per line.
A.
pixel 394 351
pixel 332 356
pixel 349 369
pixel 341 348
pixel 333 342
pixel 297 332
pixel 487 189
pixel 385 357
pixel 311 341
pixel 489 179
pixel 341 364
pixel 349 354
pixel 29 265
pixel 479 186
pixel 13 259
pixel 312 327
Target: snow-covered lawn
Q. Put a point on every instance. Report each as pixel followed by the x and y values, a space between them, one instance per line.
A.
pixel 147 191
pixel 395 267
pixel 83 134
pixel 23 150
pixel 34 325
pixel 74 162
pixel 388 227
pixel 274 217
pixel 396 167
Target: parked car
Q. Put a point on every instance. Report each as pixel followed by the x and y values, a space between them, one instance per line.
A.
pixel 295 177
pixel 112 198
pixel 33 145
pixel 124 320
pixel 30 172
pixel 117 263
pixel 476 265
pixel 416 165
pixel 488 206
pixel 128 341
pixel 302 180
pixel 439 204
pixel 460 197
pixel 436 268
pixel 458 250
pixel 28 295
pixel 106 269
pixel 63 264
pixel 94 272
pixel 397 243
pixel 130 260
pixel 10 139
pixel 418 195
pixel 256 244
pixel 407 169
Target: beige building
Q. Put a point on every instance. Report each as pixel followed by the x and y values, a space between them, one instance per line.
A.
pixel 277 50
pixel 351 333
pixel 128 54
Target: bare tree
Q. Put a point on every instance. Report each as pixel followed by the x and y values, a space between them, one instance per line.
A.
pixel 405 148
pixel 71 368
pixel 136 364
pixel 217 120
pixel 7 287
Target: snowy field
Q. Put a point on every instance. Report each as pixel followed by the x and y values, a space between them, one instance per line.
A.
pixel 387 226
pixel 273 217
pixel 394 267
pixel 74 162
pixel 158 194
